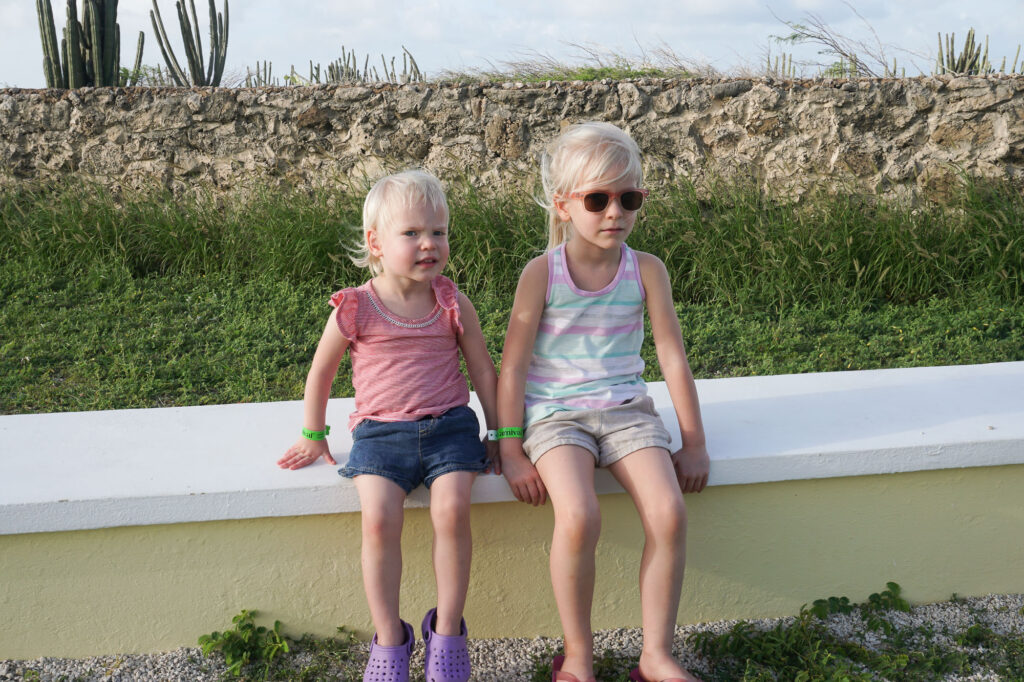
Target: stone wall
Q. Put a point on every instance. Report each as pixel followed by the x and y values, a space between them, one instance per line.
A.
pixel 896 137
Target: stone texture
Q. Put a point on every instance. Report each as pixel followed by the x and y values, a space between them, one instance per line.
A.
pixel 903 137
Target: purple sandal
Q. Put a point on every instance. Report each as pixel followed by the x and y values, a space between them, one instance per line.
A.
pixel 390 663
pixel 447 659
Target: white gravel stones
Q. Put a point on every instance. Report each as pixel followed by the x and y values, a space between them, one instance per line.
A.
pixel 511 660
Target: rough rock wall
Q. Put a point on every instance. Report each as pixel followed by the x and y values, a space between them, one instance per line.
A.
pixel 894 136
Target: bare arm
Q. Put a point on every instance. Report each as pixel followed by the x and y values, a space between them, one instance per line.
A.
pixel 527 307
pixel 691 460
pixel 481 371
pixel 321 375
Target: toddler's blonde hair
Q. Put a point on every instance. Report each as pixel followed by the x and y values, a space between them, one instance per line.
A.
pixel 401 190
pixel 585 153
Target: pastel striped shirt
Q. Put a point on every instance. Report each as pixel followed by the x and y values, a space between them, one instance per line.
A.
pixel 402 369
pixel 587 350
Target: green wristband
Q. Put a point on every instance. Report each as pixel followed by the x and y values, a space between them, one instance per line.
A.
pixel 510 432
pixel 316 435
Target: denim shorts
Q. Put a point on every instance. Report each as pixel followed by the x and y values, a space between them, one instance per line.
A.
pixel 609 433
pixel 410 453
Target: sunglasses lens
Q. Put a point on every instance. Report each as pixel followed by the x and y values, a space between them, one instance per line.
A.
pixel 632 201
pixel 595 201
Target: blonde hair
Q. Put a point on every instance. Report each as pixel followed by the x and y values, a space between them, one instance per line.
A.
pixel 583 154
pixel 401 190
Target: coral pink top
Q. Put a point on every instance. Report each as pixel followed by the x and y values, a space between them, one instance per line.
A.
pixel 402 369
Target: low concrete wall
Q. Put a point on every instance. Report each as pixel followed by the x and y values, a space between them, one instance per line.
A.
pixel 821 484
pixel 898 137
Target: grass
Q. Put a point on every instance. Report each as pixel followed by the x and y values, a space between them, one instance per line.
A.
pixel 144 300
pixel 588 63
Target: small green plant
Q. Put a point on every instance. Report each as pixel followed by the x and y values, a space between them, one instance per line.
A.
pixel 887 600
pixel 822 608
pixel 247 644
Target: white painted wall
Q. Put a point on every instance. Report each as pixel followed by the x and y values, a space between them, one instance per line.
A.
pixel 74 471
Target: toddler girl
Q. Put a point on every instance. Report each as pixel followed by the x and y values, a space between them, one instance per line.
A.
pixel 404 329
pixel 572 359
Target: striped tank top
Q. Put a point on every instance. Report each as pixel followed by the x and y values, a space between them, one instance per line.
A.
pixel 587 351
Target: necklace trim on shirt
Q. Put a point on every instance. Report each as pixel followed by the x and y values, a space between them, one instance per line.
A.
pixel 407 325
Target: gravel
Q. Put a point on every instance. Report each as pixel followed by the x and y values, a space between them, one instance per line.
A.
pixel 512 660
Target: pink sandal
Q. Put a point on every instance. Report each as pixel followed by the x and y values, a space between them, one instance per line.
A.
pixel 390 663
pixel 558 676
pixel 446 658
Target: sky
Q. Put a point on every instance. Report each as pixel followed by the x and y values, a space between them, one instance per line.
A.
pixel 474 35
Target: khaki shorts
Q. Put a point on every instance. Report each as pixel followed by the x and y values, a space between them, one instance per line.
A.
pixel 609 433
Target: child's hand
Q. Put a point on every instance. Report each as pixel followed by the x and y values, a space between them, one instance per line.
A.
pixel 493 456
pixel 692 464
pixel 521 475
pixel 304 453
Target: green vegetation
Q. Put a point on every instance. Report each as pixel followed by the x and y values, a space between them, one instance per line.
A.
pixel 247 644
pixel 882 647
pixel 199 73
pixel 145 301
pixel 590 64
pixel 90 51
pixel 805 648
pixel 255 652
pixel 345 69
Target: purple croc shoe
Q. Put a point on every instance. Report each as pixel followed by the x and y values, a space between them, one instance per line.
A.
pixel 447 659
pixel 390 663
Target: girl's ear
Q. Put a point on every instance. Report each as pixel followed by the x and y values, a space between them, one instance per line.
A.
pixel 372 242
pixel 560 210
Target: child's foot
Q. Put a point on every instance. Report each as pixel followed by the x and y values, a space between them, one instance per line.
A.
pixel 663 670
pixel 446 658
pixel 390 663
pixel 558 676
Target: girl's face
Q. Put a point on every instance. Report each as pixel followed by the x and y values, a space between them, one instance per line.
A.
pixel 607 228
pixel 413 244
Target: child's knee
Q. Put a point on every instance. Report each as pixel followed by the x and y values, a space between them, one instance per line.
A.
pixel 449 514
pixel 666 518
pixel 381 526
pixel 580 524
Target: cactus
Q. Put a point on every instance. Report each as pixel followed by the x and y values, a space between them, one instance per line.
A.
pixel 90 51
pixel 198 72
pixel 262 77
pixel 783 66
pixel 971 61
pixel 345 69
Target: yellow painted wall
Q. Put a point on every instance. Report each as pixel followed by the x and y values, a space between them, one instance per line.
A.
pixel 754 551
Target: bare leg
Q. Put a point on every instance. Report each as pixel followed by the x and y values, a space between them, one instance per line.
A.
pixel 649 478
pixel 453 547
pixel 381 502
pixel 568 475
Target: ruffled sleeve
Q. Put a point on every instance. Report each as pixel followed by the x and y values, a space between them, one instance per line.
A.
pixel 347 303
pixel 447 295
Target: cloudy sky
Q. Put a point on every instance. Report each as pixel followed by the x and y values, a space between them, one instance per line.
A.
pixel 465 35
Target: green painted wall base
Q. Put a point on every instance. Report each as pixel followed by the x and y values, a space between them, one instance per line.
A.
pixel 753 551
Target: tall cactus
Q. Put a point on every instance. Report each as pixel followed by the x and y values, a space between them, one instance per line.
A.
pixel 90 51
pixel 198 72
pixel 970 61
